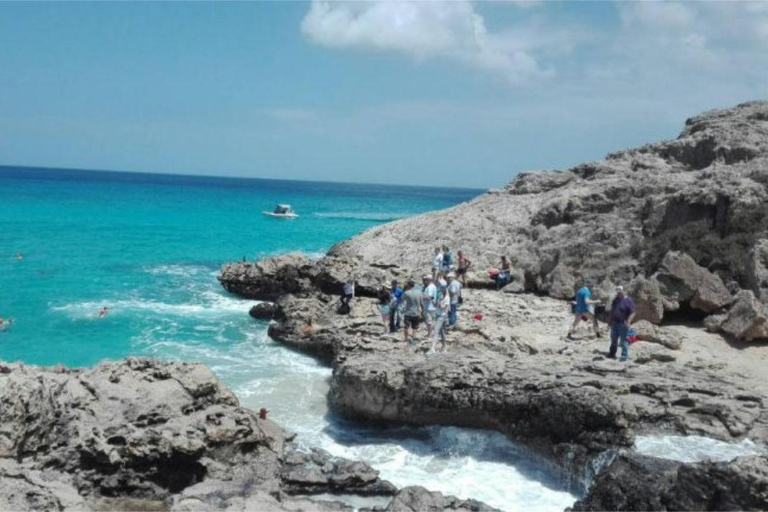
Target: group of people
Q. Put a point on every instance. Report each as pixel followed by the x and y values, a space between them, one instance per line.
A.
pixel 434 303
pixel 620 318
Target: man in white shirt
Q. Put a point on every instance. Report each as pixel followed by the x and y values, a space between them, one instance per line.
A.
pixel 437 262
pixel 428 297
pixel 454 291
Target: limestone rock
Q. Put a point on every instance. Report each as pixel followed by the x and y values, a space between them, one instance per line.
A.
pixel 634 482
pixel 649 303
pixel 757 270
pixel 268 279
pixel 646 331
pixel 681 280
pixel 266 311
pixel 747 319
pixel 418 499
pixel 141 434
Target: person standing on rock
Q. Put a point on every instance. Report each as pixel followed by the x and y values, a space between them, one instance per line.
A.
pixel 395 301
pixel 447 259
pixel 413 311
pixel 454 290
pixel 620 318
pixel 437 263
pixel 347 295
pixel 443 310
pixel 384 308
pixel 463 266
pixel 584 307
pixel 429 298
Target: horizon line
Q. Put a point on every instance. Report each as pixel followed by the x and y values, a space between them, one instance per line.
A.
pixel 231 177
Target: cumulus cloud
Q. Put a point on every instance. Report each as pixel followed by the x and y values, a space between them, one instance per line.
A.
pixel 448 30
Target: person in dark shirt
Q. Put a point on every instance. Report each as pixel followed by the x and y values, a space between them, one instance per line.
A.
pixel 621 316
pixel 395 306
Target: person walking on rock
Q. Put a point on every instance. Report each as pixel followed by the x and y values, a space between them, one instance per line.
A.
pixel 620 318
pixel 413 311
pixel 454 291
pixel 395 301
pixel 584 308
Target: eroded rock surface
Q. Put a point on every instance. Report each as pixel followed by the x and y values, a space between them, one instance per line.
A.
pixel 634 482
pixel 148 435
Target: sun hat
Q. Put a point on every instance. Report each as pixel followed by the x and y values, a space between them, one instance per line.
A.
pixel 619 289
pixel 427 277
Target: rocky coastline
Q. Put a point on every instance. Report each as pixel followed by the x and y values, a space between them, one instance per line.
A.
pixel 142 434
pixel 682 224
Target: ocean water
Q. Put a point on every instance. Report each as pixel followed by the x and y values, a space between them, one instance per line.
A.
pixel 149 248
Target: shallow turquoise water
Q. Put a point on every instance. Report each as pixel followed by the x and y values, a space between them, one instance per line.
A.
pixel 149 247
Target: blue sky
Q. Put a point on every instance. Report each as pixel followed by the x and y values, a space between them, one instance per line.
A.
pixel 453 93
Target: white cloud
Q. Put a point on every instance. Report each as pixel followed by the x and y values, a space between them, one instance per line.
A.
pixel 423 30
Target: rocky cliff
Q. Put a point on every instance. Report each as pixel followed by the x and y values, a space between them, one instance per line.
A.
pixel 699 201
pixel 142 434
pixel 682 223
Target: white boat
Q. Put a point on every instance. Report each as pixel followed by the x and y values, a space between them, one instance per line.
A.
pixel 282 211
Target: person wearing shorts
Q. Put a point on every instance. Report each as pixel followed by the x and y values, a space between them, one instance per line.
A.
pixel 429 297
pixel 384 308
pixel 463 265
pixel 413 311
pixel 584 308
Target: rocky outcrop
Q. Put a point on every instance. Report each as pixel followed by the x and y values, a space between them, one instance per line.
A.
pixel 694 208
pixel 148 435
pixel 267 279
pixel 747 319
pixel 682 281
pixel 418 499
pixel 634 482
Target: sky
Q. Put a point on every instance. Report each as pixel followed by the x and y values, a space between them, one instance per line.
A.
pixel 456 93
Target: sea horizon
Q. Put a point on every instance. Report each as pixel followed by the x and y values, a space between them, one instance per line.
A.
pixel 212 178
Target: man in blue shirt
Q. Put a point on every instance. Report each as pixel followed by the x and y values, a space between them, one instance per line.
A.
pixel 620 318
pixel 584 309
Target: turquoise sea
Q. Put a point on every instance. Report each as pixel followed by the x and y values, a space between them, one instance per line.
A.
pixel 149 248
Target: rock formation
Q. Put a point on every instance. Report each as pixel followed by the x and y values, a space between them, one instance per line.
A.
pixel 697 205
pixel 147 435
pixel 646 483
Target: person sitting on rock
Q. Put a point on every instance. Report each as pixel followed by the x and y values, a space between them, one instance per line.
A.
pixel 620 318
pixel 584 308
pixel 505 273
pixel 413 311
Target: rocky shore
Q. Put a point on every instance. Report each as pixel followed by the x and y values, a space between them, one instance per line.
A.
pixel 683 224
pixel 142 434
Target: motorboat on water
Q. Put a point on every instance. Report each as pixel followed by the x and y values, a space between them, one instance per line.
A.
pixel 282 211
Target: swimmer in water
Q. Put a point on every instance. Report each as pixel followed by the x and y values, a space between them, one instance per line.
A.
pixel 19 256
pixel 4 324
pixel 103 312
